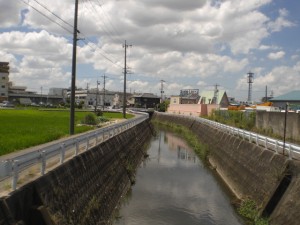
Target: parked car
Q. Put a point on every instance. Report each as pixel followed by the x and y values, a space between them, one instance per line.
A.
pixel 8 104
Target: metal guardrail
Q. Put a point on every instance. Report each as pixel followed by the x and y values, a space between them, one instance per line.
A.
pixel 13 166
pixel 260 140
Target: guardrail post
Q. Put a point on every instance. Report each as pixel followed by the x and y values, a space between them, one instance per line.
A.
pixel 249 137
pixel 62 153
pixel 43 162
pixel 87 143
pixel 15 177
pixel 96 134
pixel 76 147
pixel 276 147
pixel 256 139
pixel 266 142
pixel 290 152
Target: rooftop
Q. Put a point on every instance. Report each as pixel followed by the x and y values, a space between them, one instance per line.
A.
pixel 290 96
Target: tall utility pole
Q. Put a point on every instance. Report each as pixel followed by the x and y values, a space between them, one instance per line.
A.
pixel 97 93
pixel 266 100
pixel 104 90
pixel 125 73
pixel 73 82
pixel 250 79
pixel 161 90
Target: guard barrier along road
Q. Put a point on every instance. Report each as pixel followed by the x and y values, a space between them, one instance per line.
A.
pixel 12 167
pixel 292 150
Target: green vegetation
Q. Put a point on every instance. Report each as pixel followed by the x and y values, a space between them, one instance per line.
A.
pixel 20 129
pixel 200 149
pixel 240 119
pixel 249 210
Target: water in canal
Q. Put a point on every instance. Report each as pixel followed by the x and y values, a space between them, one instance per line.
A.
pixel 174 188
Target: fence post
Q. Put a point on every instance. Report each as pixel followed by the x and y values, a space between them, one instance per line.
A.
pixel 43 162
pixel 276 147
pixel 266 142
pixel 87 143
pixel 62 153
pixel 290 152
pixel 256 139
pixel 249 137
pixel 76 147
pixel 15 175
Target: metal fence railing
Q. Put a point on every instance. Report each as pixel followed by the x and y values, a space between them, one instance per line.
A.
pixel 13 166
pixel 292 150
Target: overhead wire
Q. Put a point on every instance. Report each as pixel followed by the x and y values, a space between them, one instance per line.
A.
pixel 71 32
pixel 66 29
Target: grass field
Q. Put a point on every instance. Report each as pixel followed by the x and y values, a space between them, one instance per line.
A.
pixel 20 129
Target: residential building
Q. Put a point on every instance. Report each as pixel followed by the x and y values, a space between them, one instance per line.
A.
pixel 195 105
pixel 145 100
pixel 293 98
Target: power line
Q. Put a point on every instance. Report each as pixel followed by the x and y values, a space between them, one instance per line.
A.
pixel 47 17
pixel 45 7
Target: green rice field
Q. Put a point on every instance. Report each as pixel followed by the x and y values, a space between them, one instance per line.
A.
pixel 20 129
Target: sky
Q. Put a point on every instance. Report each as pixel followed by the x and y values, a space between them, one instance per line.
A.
pixel 191 44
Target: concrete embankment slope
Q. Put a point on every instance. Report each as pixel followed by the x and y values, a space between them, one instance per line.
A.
pixel 82 191
pixel 250 171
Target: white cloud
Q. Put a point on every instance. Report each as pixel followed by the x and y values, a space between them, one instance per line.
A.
pixel 276 55
pixel 281 22
pixel 181 42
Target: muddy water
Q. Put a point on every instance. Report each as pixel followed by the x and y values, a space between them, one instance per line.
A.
pixel 173 187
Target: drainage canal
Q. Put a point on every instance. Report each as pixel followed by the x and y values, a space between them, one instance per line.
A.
pixel 174 187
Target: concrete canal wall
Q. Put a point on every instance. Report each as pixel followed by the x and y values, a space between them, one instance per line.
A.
pixel 82 191
pixel 250 171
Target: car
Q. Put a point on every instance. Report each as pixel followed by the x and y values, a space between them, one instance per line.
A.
pixel 8 104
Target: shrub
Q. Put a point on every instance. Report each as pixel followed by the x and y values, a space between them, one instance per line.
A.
pixel 90 119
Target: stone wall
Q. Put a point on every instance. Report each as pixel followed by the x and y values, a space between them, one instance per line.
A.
pixel 82 191
pixel 250 171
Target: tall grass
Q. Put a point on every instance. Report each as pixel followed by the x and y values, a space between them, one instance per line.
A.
pixel 20 129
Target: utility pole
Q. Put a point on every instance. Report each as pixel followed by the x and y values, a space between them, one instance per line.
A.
pixel 266 94
pixel 97 93
pixel 125 73
pixel 250 79
pixel 104 90
pixel 161 90
pixel 73 82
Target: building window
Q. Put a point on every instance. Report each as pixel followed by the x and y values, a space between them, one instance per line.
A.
pixel 2 94
pixel 174 100
pixel 3 86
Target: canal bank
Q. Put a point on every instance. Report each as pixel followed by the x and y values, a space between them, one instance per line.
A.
pixel 251 172
pixel 85 190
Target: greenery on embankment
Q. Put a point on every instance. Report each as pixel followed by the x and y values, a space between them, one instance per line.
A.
pixel 20 129
pixel 240 119
pixel 200 149
pixel 249 210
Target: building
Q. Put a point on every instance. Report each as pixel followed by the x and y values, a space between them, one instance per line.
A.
pixel 218 97
pixel 145 100
pixel 198 105
pixel 4 80
pixel 293 98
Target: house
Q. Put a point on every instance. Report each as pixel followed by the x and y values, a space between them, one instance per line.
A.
pixel 293 98
pixel 145 100
pixel 198 105
pixel 218 97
